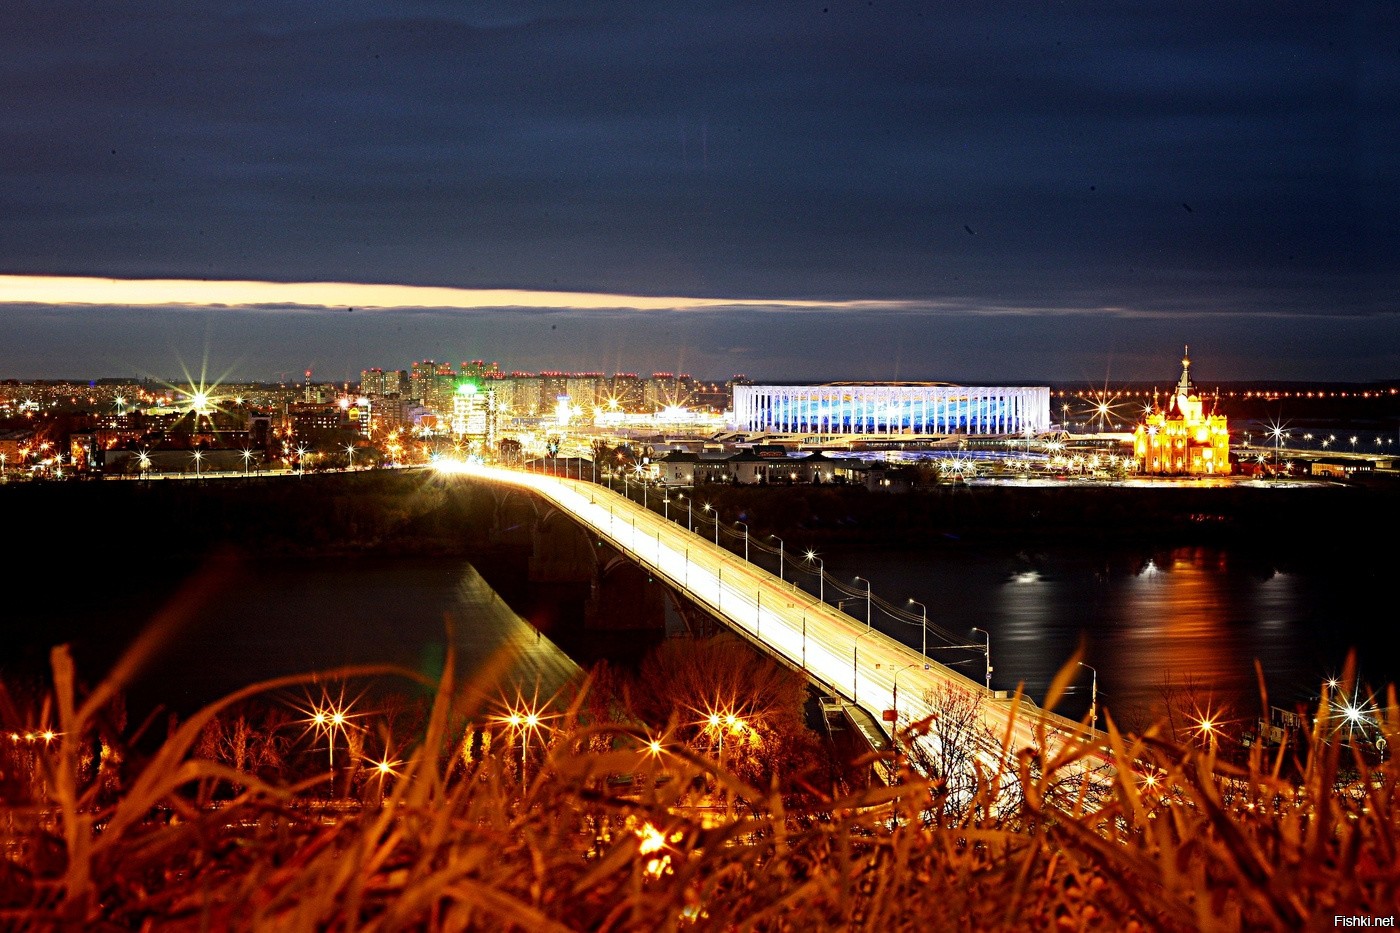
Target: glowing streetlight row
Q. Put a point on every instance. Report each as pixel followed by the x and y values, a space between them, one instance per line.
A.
pixel 861 663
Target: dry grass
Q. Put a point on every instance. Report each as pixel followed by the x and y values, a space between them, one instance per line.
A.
pixel 603 825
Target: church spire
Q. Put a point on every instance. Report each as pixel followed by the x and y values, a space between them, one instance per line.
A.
pixel 1184 387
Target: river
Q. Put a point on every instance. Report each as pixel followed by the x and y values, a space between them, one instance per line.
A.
pixel 221 626
pixel 1150 622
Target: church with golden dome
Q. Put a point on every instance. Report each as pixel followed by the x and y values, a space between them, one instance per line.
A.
pixel 1180 438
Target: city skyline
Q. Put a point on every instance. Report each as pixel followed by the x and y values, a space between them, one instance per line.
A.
pixel 861 191
pixel 186 376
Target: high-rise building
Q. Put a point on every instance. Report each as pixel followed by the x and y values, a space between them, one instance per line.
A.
pixel 519 395
pixel 666 389
pixel 420 379
pixel 372 381
pixel 552 386
pixel 379 383
pixel 625 392
pixel 586 390
pixel 480 369
pixel 359 413
pixel 474 413
pixel 440 390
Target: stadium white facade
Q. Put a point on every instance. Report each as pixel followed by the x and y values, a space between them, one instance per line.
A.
pixel 891 408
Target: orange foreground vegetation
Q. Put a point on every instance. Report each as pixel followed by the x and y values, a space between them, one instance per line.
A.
pixel 595 822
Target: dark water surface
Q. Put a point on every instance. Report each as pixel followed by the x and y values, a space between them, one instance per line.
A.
pixel 1149 619
pixel 230 625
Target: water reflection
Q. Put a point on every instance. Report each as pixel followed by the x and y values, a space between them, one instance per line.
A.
pixel 1175 632
pixel 1150 622
pixel 274 618
pixel 1025 638
pixel 1146 620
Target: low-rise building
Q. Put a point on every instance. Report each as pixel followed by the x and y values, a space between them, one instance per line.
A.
pixel 15 445
pixel 689 468
pixel 1341 467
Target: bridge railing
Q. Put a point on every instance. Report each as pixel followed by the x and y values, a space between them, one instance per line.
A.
pixel 777 615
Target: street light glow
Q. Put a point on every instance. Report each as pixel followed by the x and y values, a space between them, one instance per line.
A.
pixel 804 629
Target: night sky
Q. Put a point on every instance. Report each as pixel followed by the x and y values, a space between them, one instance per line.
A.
pixel 984 192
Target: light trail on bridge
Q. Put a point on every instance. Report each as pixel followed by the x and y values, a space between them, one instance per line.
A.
pixel 851 659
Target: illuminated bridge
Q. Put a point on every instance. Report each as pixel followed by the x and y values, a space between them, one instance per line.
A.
pixel 892 408
pixel 850 659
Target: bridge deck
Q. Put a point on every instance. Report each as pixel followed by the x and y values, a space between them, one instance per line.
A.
pixel 861 664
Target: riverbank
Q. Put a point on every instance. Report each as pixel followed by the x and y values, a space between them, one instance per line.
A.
pixel 1320 522
pixel 421 513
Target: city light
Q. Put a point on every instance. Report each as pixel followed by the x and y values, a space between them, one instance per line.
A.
pixel 329 718
pixel 526 721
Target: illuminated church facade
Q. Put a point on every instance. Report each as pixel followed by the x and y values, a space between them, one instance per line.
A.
pixel 1181 437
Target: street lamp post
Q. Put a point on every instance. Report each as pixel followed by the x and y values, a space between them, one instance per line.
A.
pixel 716 724
pixel 804 641
pixel 198 459
pixel 821 575
pixel 523 724
pixel 708 508
pixel 666 506
pixel 1093 697
pixel 923 625
pixel 327 719
pixel 894 692
pixel 987 653
pixel 746 540
pixel 867 600
pixel 247 457
pixel 855 665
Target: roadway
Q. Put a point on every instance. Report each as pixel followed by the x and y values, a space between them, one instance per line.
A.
pixel 851 660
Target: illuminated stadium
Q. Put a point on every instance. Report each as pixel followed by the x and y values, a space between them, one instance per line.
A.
pixel 917 408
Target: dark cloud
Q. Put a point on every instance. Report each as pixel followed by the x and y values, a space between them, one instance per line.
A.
pixel 951 343
pixel 827 150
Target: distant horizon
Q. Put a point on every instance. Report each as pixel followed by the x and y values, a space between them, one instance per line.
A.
pixel 268 331
pixel 1232 385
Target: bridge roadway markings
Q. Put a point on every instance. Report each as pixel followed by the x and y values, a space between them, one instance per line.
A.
pixel 855 662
